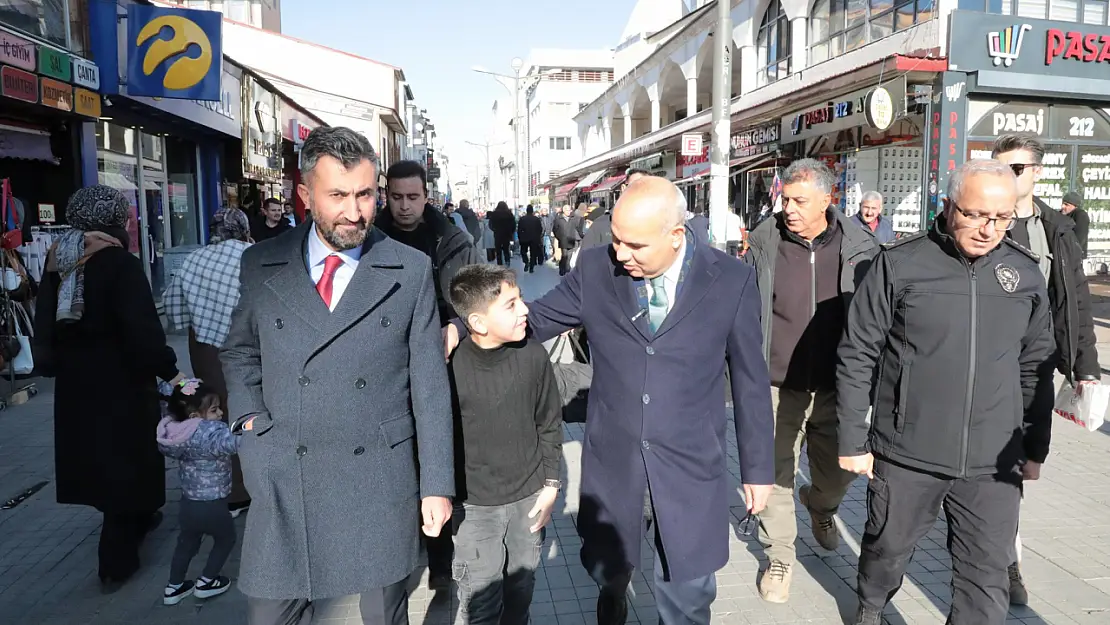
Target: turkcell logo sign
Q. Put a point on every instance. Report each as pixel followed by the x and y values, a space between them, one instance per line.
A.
pixel 174 53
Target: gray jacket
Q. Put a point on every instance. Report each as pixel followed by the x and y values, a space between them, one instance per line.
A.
pixel 857 250
pixel 203 451
pixel 354 424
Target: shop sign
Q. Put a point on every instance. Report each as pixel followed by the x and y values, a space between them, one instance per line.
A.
pixel 86 102
pixel 55 64
pixel 692 144
pixel 47 214
pixel 1044 121
pixel 86 73
pixel 157 64
pixel 20 85
pixel 693 165
pixel 17 51
pixel 946 142
pixel 57 95
pixel 1029 46
pixel 261 133
pixel 848 112
pixel 298 132
pixel 755 141
pixel 879 108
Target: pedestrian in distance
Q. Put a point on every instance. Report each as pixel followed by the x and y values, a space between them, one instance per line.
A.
pixel 530 233
pixel 509 471
pixel 194 434
pixel 961 405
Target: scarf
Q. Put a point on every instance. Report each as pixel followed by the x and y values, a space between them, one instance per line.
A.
pixel 90 211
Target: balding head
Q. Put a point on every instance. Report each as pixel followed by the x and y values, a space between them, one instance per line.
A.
pixel 648 225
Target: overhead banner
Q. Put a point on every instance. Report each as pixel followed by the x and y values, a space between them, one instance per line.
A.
pixel 174 53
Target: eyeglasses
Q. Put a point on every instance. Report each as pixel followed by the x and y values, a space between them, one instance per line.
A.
pixel 748 524
pixel 1019 168
pixel 1002 222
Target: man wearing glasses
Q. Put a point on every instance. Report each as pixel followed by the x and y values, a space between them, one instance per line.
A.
pixel 960 319
pixel 1051 236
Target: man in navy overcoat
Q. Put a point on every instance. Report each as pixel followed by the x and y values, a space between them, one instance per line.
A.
pixel 665 316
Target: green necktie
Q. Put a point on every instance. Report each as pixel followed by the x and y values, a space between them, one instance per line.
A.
pixel 657 305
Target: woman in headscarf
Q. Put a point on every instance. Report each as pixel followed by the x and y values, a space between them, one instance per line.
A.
pixel 98 334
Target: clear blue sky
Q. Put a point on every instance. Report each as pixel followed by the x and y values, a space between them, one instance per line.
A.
pixel 436 42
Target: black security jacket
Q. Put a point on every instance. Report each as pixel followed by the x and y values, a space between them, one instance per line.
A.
pixel 954 357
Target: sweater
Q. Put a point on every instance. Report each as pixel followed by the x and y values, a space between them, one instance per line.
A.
pixel 508 422
pixel 203 451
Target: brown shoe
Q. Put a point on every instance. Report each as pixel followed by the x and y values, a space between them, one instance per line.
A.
pixel 774 587
pixel 824 529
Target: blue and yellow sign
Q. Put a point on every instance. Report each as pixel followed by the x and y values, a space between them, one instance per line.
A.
pixel 174 53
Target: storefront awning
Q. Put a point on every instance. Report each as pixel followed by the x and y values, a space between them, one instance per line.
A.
pixel 26 143
pixel 590 179
pixel 564 190
pixel 116 181
pixel 692 179
pixel 608 184
pixel 745 162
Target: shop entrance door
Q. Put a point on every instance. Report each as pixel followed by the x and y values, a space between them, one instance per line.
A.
pixel 154 227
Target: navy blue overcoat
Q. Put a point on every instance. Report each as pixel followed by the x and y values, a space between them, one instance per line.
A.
pixel 656 411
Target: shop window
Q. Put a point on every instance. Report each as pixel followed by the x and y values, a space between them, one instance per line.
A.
pixel 181 191
pixel 773 45
pixel 838 26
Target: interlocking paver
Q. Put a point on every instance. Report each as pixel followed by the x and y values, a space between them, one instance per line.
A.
pixel 48 551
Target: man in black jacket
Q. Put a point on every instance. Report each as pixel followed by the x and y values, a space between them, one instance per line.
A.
pixel 1072 206
pixel 503 224
pixel 530 235
pixel 1051 236
pixel 566 237
pixel 961 405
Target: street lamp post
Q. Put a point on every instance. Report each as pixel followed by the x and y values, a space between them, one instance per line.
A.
pixel 486 146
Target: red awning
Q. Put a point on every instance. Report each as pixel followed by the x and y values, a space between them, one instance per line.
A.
pixel 564 190
pixel 607 184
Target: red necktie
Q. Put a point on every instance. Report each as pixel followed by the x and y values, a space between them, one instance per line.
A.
pixel 323 287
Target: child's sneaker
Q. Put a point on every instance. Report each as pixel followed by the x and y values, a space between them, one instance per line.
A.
pixel 211 588
pixel 173 596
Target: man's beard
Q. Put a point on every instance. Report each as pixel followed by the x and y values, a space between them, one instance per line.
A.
pixel 345 239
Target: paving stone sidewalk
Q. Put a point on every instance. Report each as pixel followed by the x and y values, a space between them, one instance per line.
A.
pixel 48 551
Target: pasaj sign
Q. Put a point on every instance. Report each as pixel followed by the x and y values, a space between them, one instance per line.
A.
pixel 848 112
pixel 1012 44
pixel 755 141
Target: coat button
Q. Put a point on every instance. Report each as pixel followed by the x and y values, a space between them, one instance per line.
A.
pixel 650 350
pixel 303 380
pixel 385 322
pixel 647 399
pixel 279 324
pixel 360 384
pixel 302 450
pixel 646 445
pixel 360 450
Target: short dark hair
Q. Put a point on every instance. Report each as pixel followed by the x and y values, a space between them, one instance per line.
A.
pixel 636 170
pixel 182 407
pixel 406 169
pixel 271 200
pixel 529 210
pixel 343 144
pixel 475 287
pixel 1010 143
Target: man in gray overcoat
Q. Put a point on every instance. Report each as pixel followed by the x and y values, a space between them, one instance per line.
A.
pixel 336 379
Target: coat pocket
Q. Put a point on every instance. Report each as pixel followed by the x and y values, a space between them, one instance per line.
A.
pixel 903 397
pixel 398 430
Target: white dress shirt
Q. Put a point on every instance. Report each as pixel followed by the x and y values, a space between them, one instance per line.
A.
pixel 671 276
pixel 317 253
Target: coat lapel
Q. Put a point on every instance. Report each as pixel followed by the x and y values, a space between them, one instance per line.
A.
pixel 368 287
pixel 624 287
pixel 695 286
pixel 292 283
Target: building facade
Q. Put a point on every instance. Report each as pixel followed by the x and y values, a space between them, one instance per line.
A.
pixel 561 83
pixel 265 14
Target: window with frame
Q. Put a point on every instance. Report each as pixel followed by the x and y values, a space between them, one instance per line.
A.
pixel 1086 11
pixel 559 143
pixel 591 76
pixel 839 26
pixel 773 45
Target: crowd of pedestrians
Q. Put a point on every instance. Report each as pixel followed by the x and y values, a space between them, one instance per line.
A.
pixel 366 382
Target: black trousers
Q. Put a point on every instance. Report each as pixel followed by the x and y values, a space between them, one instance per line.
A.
pixel 531 252
pixel 504 252
pixel 200 519
pixel 380 606
pixel 564 261
pixel 120 538
pixel 982 514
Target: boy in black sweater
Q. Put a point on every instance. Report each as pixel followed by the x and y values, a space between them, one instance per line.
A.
pixel 508 448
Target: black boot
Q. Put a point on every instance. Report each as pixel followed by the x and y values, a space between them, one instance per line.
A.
pixel 612 607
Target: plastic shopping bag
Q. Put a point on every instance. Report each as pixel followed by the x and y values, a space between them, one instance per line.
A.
pixel 1085 406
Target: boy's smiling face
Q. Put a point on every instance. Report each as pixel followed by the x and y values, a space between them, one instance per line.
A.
pixel 506 319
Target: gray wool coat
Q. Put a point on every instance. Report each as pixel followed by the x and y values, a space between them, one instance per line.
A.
pixel 354 422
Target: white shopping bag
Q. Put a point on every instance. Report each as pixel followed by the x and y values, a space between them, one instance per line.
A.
pixel 1085 406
